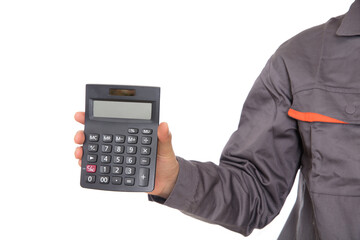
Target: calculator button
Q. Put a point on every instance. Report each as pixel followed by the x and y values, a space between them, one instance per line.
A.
pixel 92 158
pixel 90 179
pixel 93 137
pixel 90 168
pixel 144 177
pixel 146 140
pixel 133 130
pixel 145 151
pixel 104 179
pixel 129 171
pixel 117 170
pixel 119 138
pixel 147 131
pixel 129 181
pixel 119 149
pixel 130 160
pixel 116 180
pixel 144 161
pixel 131 150
pixel 93 147
pixel 105 158
pixel 106 148
pixel 132 139
pixel 104 169
pixel 118 159
pixel 107 138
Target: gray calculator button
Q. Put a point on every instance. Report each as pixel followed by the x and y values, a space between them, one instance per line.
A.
pixel 119 149
pixel 133 130
pixel 117 170
pixel 93 137
pixel 118 159
pixel 119 138
pixel 131 150
pixel 144 161
pixel 144 177
pixel 147 131
pixel 132 139
pixel 92 158
pixel 90 179
pixel 129 171
pixel 106 148
pixel 116 180
pixel 104 179
pixel 129 181
pixel 105 158
pixel 146 140
pixel 130 160
pixel 145 151
pixel 93 147
pixel 104 169
pixel 107 138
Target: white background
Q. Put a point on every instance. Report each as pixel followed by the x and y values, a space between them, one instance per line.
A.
pixel 205 56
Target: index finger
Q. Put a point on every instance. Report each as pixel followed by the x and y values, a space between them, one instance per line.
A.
pixel 80 117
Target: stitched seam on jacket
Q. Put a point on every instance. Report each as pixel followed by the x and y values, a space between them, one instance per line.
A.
pixel 336 195
pixel 330 89
pixel 321 53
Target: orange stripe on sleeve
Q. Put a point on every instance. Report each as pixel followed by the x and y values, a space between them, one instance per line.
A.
pixel 312 117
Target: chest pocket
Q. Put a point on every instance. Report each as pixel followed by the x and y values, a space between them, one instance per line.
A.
pixel 329 123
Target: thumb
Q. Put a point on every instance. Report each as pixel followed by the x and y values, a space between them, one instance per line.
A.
pixel 165 148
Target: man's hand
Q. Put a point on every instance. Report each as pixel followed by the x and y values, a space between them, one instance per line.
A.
pixel 167 168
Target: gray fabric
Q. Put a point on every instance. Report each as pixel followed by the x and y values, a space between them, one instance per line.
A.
pixel 316 71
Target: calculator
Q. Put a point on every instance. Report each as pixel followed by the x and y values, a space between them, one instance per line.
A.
pixel 119 152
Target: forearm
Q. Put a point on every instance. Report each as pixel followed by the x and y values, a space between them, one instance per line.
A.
pixel 218 194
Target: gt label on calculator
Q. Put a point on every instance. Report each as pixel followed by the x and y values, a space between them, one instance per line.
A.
pixel 120 138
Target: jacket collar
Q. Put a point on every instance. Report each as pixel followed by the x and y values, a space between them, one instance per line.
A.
pixel 350 25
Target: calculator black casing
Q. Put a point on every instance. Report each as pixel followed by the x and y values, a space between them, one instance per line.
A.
pixel 115 126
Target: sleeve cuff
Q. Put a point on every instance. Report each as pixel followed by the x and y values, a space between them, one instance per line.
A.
pixel 183 195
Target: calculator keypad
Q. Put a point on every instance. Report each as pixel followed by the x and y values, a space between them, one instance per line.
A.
pixel 117 159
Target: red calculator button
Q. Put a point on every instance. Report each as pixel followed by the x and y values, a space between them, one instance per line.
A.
pixel 90 168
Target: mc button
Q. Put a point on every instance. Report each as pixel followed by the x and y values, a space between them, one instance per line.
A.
pixel 93 137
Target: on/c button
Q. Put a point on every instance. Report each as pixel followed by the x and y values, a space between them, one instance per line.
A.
pixel 90 168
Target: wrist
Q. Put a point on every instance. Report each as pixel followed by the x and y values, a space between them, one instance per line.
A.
pixel 169 188
pixel 168 184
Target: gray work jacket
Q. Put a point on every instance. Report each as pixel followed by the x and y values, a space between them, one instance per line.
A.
pixel 303 113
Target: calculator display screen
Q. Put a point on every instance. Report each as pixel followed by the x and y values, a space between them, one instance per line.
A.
pixel 125 110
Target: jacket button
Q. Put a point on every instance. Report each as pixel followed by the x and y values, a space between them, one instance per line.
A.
pixel 351 109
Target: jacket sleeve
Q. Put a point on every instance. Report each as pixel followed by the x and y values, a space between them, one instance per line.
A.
pixel 257 166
